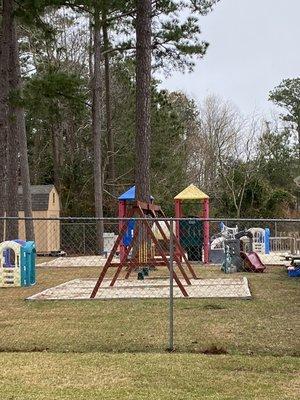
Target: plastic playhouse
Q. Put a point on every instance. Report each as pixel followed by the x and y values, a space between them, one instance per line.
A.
pixel 261 240
pixel 193 234
pixel 17 263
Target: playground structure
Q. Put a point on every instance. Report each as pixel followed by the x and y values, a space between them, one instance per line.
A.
pixel 144 250
pixel 193 234
pixel 239 254
pixel 252 262
pixel 124 201
pixel 260 238
pixel 272 250
pixel 17 263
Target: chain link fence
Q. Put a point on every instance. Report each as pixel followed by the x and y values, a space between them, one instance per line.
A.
pixel 167 286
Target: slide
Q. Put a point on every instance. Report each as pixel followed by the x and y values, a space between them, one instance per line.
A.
pixel 253 262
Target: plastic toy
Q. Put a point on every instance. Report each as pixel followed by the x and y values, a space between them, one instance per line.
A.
pixel 294 272
pixel 242 256
pixel 261 240
pixel 225 233
pixel 294 268
pixel 17 263
pixel 192 193
pixel 252 262
pixel 227 265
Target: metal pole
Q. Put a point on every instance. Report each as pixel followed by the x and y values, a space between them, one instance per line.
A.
pixel 171 299
pixel 83 238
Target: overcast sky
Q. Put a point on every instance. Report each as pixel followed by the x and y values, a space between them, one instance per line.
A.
pixel 254 44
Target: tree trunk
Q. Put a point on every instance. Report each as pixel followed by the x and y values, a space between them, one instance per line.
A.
pixel 298 130
pixel 37 154
pixel 12 206
pixel 57 165
pixel 16 87
pixel 143 100
pixel 4 89
pixel 109 132
pixel 91 40
pixel 298 169
pixel 96 127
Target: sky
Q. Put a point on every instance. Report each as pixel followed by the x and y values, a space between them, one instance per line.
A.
pixel 254 44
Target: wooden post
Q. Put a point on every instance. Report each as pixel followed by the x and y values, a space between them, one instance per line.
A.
pixel 178 214
pixel 122 214
pixel 206 230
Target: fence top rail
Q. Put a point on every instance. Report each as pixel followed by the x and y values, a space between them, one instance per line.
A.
pixel 282 238
pixel 117 219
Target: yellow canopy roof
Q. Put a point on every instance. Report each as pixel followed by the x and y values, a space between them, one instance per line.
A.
pixel 191 193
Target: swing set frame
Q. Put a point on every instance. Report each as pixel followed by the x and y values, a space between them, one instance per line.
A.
pixel 146 213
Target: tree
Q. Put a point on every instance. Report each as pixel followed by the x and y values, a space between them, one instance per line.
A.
pixel 287 96
pixel 13 127
pixel 222 150
pixel 4 92
pixel 277 167
pixel 96 125
pixel 109 132
pixel 177 40
pixel 55 105
pixel 51 58
pixel 143 100
pixel 12 162
pixel 277 157
pixel 17 113
pixel 214 137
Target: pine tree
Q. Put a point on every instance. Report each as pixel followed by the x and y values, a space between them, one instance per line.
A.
pixel 143 100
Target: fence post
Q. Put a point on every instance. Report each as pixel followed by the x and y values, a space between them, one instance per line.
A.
pixel 171 299
pixel 83 231
pixel 293 245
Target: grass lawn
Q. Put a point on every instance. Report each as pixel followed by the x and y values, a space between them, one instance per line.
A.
pixel 40 376
pixel 116 349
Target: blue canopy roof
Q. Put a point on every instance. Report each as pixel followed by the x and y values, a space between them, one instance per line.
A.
pixel 129 195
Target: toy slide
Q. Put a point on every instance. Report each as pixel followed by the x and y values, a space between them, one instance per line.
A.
pixel 253 262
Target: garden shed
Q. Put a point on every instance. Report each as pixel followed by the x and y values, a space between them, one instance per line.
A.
pixel 45 204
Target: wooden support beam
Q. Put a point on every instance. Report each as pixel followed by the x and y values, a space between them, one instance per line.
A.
pixel 110 258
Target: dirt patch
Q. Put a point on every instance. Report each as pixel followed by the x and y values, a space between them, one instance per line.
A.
pixel 214 350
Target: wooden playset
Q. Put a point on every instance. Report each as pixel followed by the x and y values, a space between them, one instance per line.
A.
pixel 144 247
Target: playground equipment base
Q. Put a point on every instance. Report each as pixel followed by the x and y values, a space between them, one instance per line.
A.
pixel 81 289
pixel 77 261
pixel 96 261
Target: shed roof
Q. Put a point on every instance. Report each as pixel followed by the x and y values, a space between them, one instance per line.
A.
pixel 39 197
pixel 129 195
pixel 191 193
